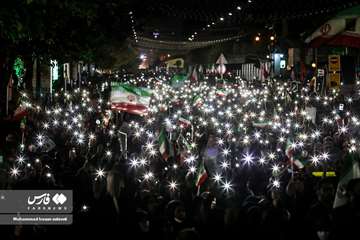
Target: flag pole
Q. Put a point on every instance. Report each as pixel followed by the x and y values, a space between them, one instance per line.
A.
pixel 7 99
pixel 126 144
pixel 292 168
pixel 22 138
pixel 192 133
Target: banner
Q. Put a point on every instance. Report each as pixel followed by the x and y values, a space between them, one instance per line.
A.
pixel 127 98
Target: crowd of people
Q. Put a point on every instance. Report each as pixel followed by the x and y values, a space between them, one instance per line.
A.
pixel 254 184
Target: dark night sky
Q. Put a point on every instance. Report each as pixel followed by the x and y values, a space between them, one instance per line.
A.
pixel 177 20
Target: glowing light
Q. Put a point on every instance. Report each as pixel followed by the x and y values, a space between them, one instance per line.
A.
pixel 217 177
pixel 149 146
pixel 40 137
pixel 315 160
pixel 247 159
pixel 316 134
pixel 20 159
pixel 226 152
pixel 225 165
pixel 192 169
pixel 227 186
pixel 152 152
pixel 134 163
pixel 142 162
pixel 275 168
pixel 343 129
pixel 276 183
pixel 173 185
pixel 190 159
pixel 272 156
pixel 100 173
pixel 91 136
pixel 148 176
pixel 325 156
pixel 262 161
pixel 14 172
pixel 352 148
pixel 137 134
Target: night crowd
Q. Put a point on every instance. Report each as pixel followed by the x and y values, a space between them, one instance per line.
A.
pixel 117 205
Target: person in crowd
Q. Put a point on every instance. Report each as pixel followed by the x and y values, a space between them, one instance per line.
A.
pixel 320 216
pixel 188 234
pixel 122 200
pixel 177 219
pixel 347 217
pixel 276 217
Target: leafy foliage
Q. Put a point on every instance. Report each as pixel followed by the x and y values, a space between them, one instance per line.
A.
pixel 61 29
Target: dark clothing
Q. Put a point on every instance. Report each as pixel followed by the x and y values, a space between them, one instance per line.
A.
pixel 346 223
pixel 319 219
pixel 276 223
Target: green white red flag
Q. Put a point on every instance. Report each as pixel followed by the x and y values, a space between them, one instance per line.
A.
pixel 131 99
pixel 183 122
pixel 289 152
pixel 201 175
pixel 163 145
pixel 342 30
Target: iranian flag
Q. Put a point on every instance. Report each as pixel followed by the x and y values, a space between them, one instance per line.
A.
pixel 350 171
pixel 186 145
pixel 178 80
pixel 339 121
pixel 213 69
pixel 19 113
pixel 342 30
pixel 183 147
pixel 194 75
pixel 201 176
pixel 261 124
pixel 163 145
pixel 127 98
pixel 289 152
pixel 197 101
pixel 23 124
pixel 183 122
pixel 221 92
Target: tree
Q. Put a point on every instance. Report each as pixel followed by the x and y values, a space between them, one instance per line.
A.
pixel 66 30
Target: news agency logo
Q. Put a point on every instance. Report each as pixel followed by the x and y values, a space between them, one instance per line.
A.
pixel 47 202
pixel 59 199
